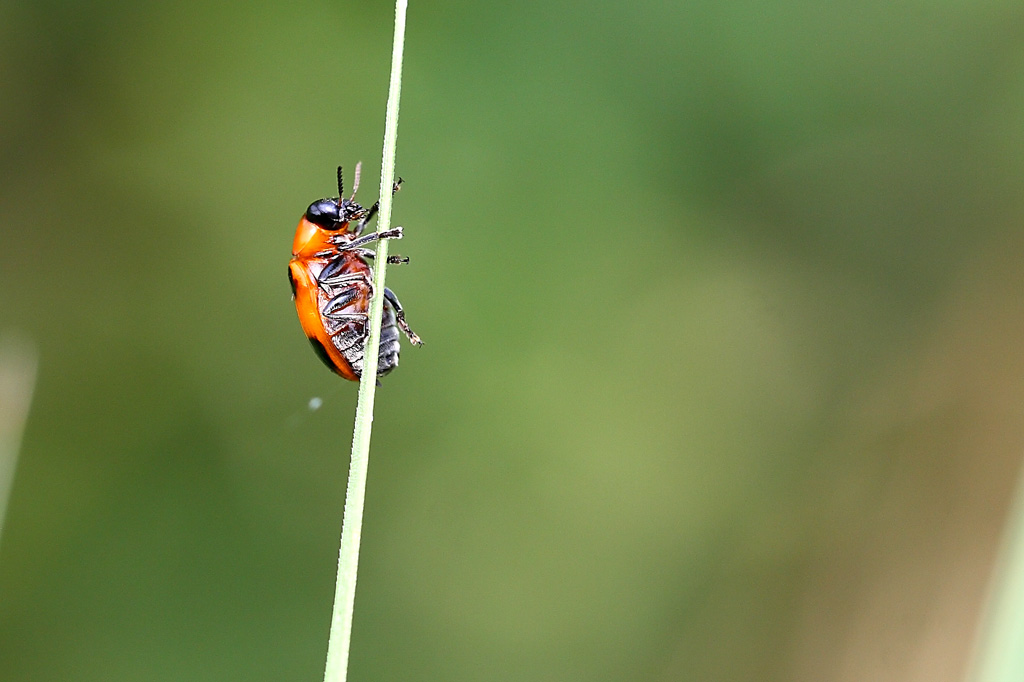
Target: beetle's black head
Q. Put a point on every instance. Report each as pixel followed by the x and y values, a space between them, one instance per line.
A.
pixel 334 214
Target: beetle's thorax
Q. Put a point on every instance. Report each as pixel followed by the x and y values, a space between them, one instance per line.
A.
pixel 311 239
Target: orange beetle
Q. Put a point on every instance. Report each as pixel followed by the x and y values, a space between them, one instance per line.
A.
pixel 332 284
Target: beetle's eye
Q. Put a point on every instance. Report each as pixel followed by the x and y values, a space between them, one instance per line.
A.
pixel 325 213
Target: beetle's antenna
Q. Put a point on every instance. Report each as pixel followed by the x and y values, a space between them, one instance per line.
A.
pixel 355 188
pixel 341 185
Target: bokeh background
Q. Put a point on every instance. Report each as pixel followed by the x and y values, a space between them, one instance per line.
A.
pixel 723 317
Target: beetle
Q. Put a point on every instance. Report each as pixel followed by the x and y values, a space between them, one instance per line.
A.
pixel 332 284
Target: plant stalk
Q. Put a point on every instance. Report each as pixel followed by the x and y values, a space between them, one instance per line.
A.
pixel 998 654
pixel 351 529
pixel 18 361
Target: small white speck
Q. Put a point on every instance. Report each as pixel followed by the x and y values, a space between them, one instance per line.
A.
pixel 315 403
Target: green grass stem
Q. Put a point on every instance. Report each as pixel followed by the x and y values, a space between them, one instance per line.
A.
pixel 351 529
pixel 999 649
pixel 17 382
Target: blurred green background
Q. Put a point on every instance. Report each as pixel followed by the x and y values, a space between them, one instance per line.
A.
pixel 722 309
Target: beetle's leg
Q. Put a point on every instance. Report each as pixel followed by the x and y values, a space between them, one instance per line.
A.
pixel 336 325
pixel 331 271
pixel 329 275
pixel 373 210
pixel 332 309
pixel 343 319
pixel 347 294
pixel 392 260
pixel 329 285
pixel 393 233
pixel 400 317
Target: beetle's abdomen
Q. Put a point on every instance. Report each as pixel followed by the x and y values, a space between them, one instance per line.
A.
pixel 389 345
pixel 351 344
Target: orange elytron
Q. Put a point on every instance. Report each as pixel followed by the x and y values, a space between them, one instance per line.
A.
pixel 332 284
